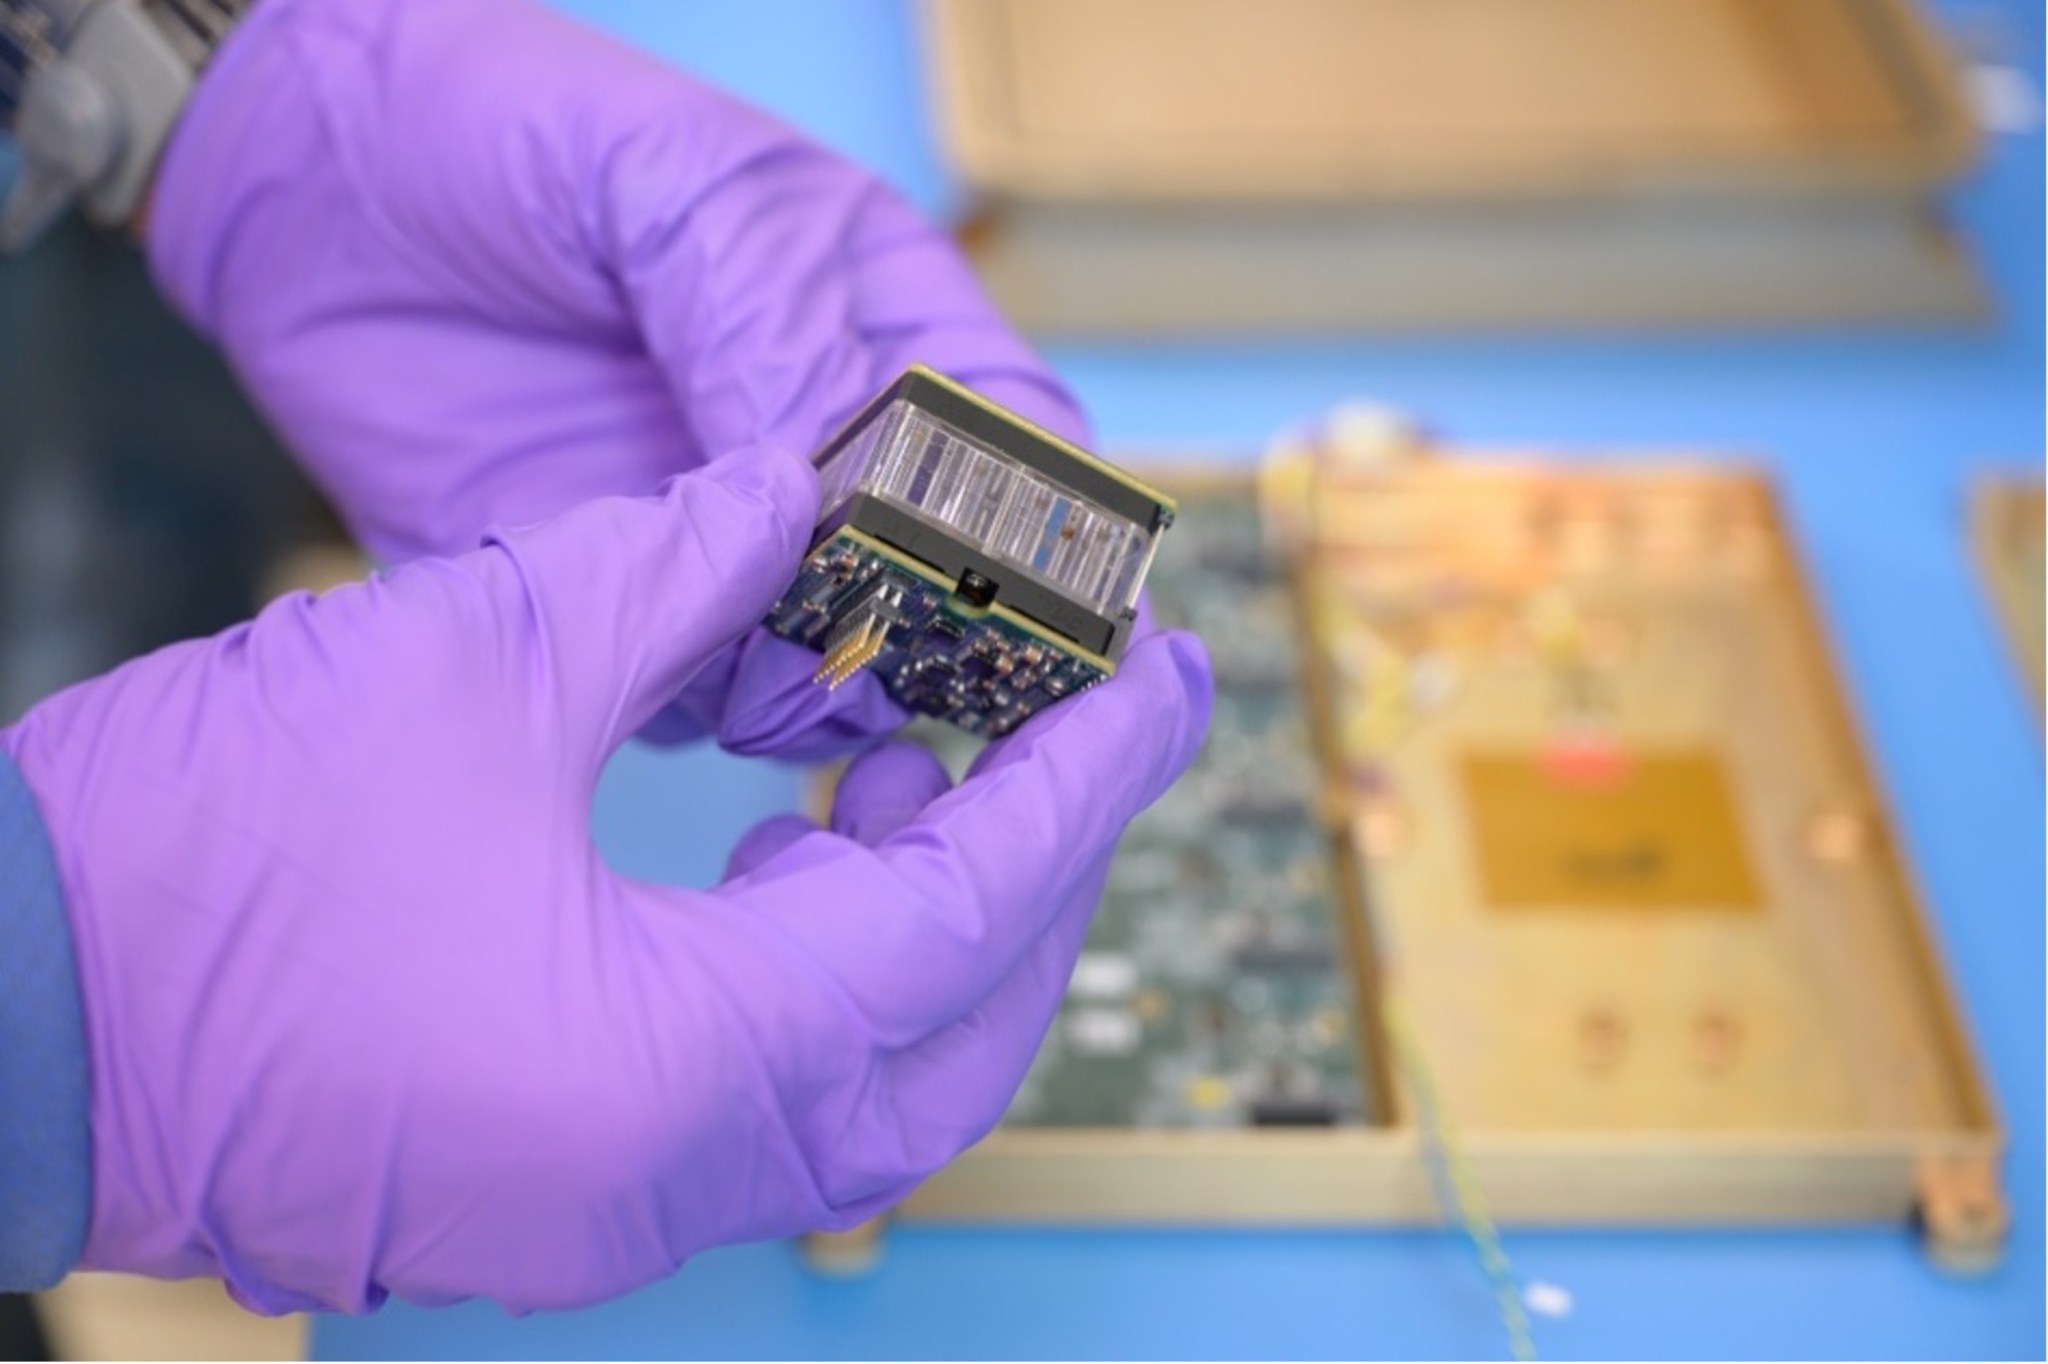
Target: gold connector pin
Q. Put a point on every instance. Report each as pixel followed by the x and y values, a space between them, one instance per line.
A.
pixel 853 650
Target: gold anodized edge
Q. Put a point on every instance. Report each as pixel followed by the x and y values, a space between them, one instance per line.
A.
pixel 1065 447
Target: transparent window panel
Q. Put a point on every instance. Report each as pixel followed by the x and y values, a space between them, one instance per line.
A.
pixel 1005 509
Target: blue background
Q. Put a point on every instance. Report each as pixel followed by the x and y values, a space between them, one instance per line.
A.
pixel 1875 436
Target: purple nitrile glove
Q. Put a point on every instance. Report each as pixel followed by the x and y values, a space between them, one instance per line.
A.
pixel 367 1013
pixel 478 263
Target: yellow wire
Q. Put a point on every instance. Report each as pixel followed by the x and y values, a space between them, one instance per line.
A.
pixel 1468 1201
pixel 1372 728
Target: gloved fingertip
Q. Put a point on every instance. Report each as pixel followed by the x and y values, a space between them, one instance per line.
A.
pixel 1191 658
pixel 671 727
pixel 1147 623
pixel 885 789
pixel 1198 685
pixel 774 707
pixel 766 841
pixel 783 484
pixel 642 594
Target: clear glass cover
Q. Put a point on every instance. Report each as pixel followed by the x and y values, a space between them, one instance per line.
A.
pixel 1008 511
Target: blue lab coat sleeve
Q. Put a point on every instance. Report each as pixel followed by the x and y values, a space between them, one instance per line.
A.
pixel 45 1142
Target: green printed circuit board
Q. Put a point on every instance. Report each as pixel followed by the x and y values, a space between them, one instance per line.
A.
pixel 1214 991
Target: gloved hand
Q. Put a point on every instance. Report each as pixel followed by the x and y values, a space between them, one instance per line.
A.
pixel 367 1013
pixel 478 263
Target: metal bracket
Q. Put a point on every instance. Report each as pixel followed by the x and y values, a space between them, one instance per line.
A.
pixel 845 1254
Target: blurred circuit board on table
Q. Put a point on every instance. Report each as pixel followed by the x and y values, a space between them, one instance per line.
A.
pixel 2007 523
pixel 1554 756
pixel 1215 989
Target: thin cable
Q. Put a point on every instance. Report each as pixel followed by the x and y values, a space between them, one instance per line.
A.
pixel 1458 1192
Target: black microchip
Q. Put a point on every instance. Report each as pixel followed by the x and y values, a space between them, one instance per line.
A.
pixel 1293 1112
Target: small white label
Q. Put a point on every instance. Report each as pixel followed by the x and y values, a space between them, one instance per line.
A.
pixel 2005 99
pixel 1103 975
pixel 1103 1032
pixel 1547 1299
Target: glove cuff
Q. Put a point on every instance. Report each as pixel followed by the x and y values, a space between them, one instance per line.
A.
pixel 45 1137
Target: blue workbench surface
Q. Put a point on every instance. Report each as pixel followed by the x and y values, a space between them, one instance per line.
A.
pixel 1874 436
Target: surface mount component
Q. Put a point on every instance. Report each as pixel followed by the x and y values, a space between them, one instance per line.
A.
pixel 980 567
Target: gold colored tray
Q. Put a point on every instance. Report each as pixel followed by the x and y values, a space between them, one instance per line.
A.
pixel 1159 167
pixel 1604 833
pixel 1214 101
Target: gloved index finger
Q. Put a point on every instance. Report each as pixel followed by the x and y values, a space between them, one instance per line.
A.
pixel 787 284
pixel 919 931
pixel 634 595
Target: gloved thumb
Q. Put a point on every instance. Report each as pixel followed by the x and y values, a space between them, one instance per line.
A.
pixel 634 595
pixel 880 792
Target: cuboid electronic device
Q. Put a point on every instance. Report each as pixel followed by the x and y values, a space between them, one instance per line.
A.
pixel 981 567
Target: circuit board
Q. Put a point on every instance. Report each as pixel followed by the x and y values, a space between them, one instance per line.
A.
pixel 1214 990
pixel 980 670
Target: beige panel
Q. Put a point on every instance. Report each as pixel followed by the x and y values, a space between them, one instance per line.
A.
pixel 2007 525
pixel 118 1316
pixel 1127 270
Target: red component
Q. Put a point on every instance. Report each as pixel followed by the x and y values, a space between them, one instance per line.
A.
pixel 1581 760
